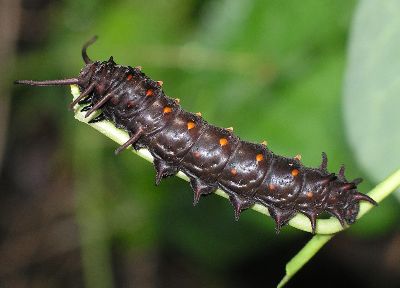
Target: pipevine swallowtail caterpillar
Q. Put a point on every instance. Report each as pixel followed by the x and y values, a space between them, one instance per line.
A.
pixel 210 156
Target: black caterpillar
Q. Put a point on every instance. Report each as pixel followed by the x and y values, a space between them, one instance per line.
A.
pixel 210 156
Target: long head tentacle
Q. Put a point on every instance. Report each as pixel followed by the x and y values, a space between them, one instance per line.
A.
pixel 85 46
pixel 49 82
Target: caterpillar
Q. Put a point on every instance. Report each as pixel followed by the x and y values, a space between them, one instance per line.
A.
pixel 210 156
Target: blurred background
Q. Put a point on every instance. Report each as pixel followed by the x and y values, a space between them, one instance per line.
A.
pixel 74 215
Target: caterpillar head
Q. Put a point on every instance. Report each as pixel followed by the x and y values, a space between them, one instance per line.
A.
pixel 344 200
pixel 83 79
pixel 87 73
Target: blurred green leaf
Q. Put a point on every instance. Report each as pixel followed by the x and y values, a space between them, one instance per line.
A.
pixel 372 87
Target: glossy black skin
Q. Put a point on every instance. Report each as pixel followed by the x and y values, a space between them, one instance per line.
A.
pixel 283 185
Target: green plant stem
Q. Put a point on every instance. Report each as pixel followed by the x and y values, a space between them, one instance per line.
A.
pixel 324 226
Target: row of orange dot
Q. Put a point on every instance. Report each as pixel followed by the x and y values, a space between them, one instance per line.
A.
pixel 190 125
pixel 222 141
pixel 149 92
pixel 295 172
pixel 167 110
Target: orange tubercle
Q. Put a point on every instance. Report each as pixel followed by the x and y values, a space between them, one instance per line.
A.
pixel 297 157
pixel 223 141
pixel 233 171
pixel 167 110
pixel 190 125
pixel 295 172
pixel 309 194
pixel 129 77
pixel 259 157
pixel 149 92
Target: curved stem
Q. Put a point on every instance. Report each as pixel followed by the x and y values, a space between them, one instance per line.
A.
pixel 324 226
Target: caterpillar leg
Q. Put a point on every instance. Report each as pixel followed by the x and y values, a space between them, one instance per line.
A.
pixel 335 213
pixel 313 220
pixel 200 188
pixel 163 170
pixel 99 118
pixel 85 101
pixel 99 104
pixel 135 137
pixel 281 217
pixel 240 204
pixel 86 108
pixel 83 95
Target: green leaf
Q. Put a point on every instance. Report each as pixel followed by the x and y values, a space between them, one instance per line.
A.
pixel 372 87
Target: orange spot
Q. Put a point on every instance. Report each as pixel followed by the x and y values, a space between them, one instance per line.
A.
pixel 297 157
pixel 160 83
pixel 309 194
pixel 130 76
pixel 259 157
pixel 191 125
pixel 271 187
pixel 196 154
pixel 223 141
pixel 149 92
pixel 198 114
pixel 233 171
pixel 167 110
pixel 295 172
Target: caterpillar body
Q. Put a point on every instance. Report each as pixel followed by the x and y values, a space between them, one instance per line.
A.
pixel 210 156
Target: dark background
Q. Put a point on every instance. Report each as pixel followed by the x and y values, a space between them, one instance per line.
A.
pixel 74 215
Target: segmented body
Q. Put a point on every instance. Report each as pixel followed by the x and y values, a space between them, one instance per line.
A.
pixel 212 157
